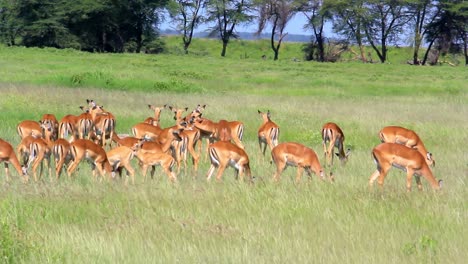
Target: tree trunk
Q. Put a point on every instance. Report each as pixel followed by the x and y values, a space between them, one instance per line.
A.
pixel 427 52
pixel 223 52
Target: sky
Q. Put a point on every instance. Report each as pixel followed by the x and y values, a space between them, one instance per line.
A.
pixel 295 26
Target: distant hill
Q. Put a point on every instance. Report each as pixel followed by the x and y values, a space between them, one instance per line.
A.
pixel 246 36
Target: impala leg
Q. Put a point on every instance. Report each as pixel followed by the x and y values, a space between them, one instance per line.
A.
pixel 72 167
pixel 418 182
pixel 221 169
pixel 331 147
pixel 210 172
pixel 373 177
pixel 383 174
pixel 144 169
pixel 7 172
pixel 409 178
pixel 280 166
pixel 300 171
pixel 130 171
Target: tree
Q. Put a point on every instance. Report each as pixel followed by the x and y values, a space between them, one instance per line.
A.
pixel 348 21
pixel 316 17
pixel 383 21
pixel 227 14
pixel 422 12
pixel 187 16
pixel 10 26
pixel 449 27
pixel 277 13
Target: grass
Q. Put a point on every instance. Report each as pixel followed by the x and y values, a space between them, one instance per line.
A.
pixel 78 220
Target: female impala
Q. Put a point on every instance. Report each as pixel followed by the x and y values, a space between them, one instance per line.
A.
pixel 297 155
pixel 120 157
pixel 83 148
pixel 224 153
pixel 410 160
pixel 28 127
pixel 332 134
pixel 407 137
pixel 51 120
pixel 62 155
pixel 8 156
pixel 268 133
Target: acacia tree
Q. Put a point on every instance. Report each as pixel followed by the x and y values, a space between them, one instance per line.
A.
pixel 448 28
pixel 383 21
pixel 316 17
pixel 226 15
pixel 187 16
pixel 277 13
pixel 422 12
pixel 348 21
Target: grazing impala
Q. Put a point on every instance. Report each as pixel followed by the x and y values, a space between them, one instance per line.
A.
pixel 407 137
pixel 51 121
pixel 407 159
pixel 39 151
pixel 268 133
pixel 120 157
pixel 94 153
pixel 62 155
pixel 8 156
pixel 85 124
pixel 333 135
pixel 28 127
pixel 67 127
pixel 223 154
pixel 296 155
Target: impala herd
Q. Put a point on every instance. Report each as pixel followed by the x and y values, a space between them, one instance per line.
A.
pixel 75 138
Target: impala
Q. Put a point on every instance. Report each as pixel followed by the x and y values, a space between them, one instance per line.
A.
pixel 407 159
pixel 191 133
pixel 268 133
pixel 85 124
pixel 39 151
pixel 145 130
pixel 153 153
pixel 23 147
pixel 223 154
pixel 223 131
pixel 120 157
pixel 62 155
pixel 407 137
pixel 157 114
pixel 50 119
pixel 334 136
pixel 296 155
pixel 125 141
pixel 104 122
pixel 94 153
pixel 8 156
pixel 67 127
pixel 28 127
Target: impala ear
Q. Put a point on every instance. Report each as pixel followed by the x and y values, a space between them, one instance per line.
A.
pixel 259 111
pixel 150 106
pixel 348 152
pixel 441 183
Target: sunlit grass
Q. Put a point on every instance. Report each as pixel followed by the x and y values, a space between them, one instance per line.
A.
pixel 79 220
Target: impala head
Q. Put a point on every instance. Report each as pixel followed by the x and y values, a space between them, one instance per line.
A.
pixel 344 157
pixel 429 160
pixel 91 103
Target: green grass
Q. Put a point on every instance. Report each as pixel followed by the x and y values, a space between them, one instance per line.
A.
pixel 81 221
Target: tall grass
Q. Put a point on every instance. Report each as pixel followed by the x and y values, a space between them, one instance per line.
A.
pixel 78 220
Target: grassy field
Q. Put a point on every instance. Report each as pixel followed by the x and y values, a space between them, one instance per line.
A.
pixel 81 221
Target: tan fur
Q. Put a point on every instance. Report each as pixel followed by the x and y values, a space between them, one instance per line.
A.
pixel 407 137
pixel 268 133
pixel 387 155
pixel 334 136
pixel 296 155
pixel 8 156
pixel 225 153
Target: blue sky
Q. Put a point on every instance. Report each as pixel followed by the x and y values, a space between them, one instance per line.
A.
pixel 295 26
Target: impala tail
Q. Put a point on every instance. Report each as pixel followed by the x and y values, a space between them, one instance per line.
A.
pixel 214 157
